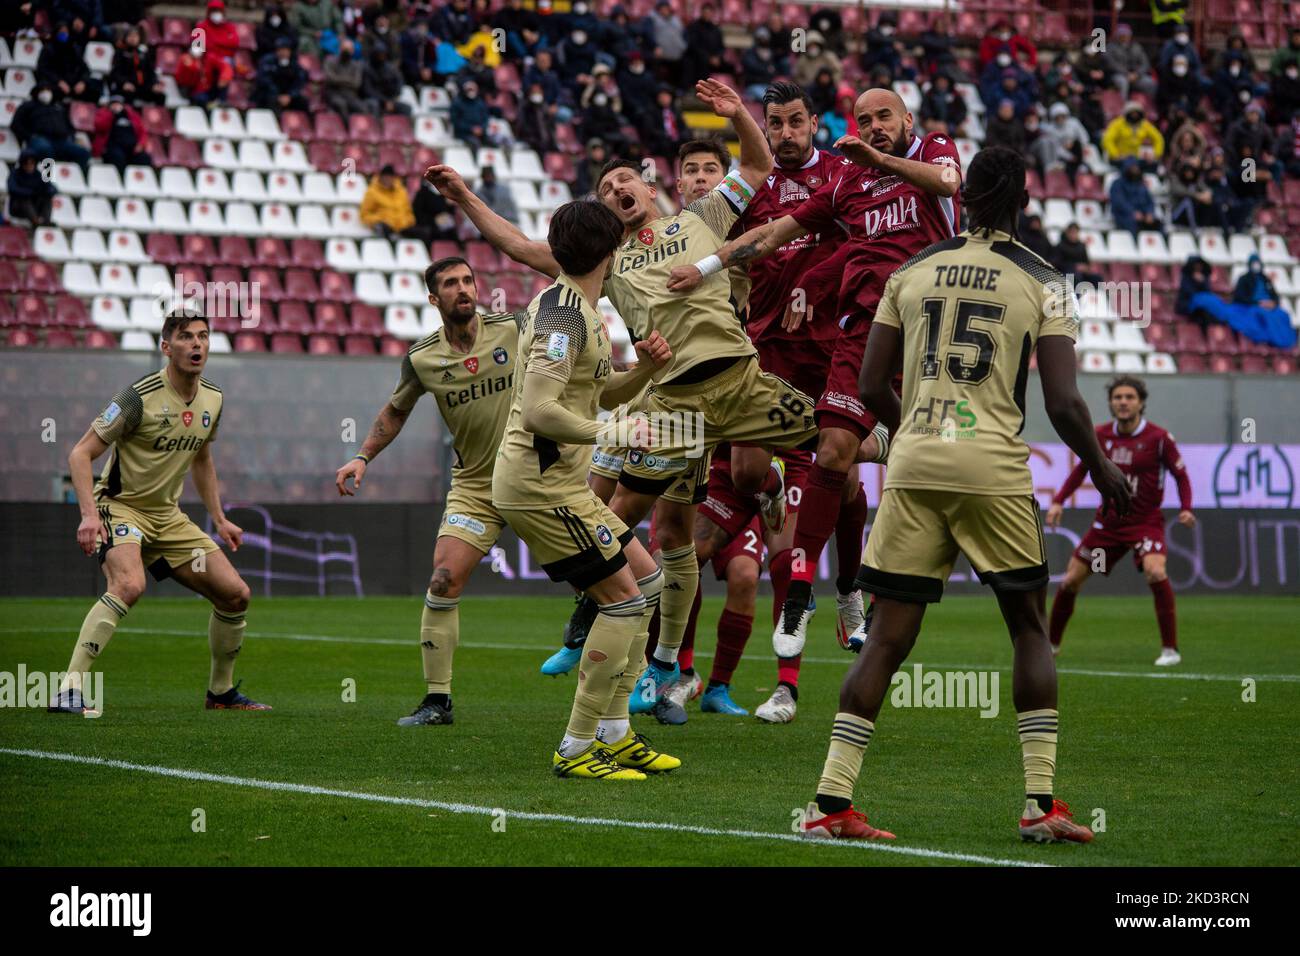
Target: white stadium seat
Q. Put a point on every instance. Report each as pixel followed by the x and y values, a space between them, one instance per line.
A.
pixel 220 154
pixel 104 180
pixel 341 255
pixel 291 157
pixel 432 130
pixel 99 57
pixel 145 314
pixel 242 219
pixel 318 187
pixel 910 93
pixel 116 279
pixel 205 218
pixel 407 288
pixel 314 222
pixel 378 254
pixel 26 52
pixel 278 220
pixel 88 245
pixel 1241 247
pixel 284 187
pixel 80 278
pixel 97 213
pixel 255 154
pixel 1182 246
pixel 1091 215
pixel 218 343
pixel 497 159
pixel 525 195
pixel 192 122
pixel 1161 363
pixel 461 159
pixel 108 312
pixel 1095 243
pixel 1095 335
pixel 430 320
pixel 351 187
pixel 153 280
pixel 434 99
pixel 1129 362
pixel 248 186
pixel 141 181
pixel 1153 248
pixel 169 215
pixel 50 243
pixel 1121 246
pixel 1213 249
pixel 212 184
pixel 69 179
pixel 177 183
pixel 402 321
pixel 1281 279
pixel 346 221
pixel 63 212
pixel 1273 250
pixel 1057 213
pixel 134 214
pixel 138 340
pixel 526 164
pixel 372 288
pixel 227 123
pixel 262 124
pixel 8 107
pixel 412 255
pixel 9 151
pixel 1129 338
pixel 19 83
pixel 1096 362
pixel 555 193
pixel 124 245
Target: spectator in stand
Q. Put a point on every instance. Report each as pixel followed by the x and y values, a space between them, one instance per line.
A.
pixel 497 196
pixel 669 37
pixel 448 62
pixel 481 47
pixel 1133 136
pixel 582 18
pixel 280 79
pixel 943 109
pixel 383 85
pixel 636 86
pixel 816 58
pixel 575 59
pixel 1131 204
pixel 1195 281
pixel 1004 37
pixel 62 65
pixel 385 208
pixel 343 85
pixel 663 128
pixel 1061 142
pixel 470 115
pixel 453 22
pixel 133 73
pixel 513 19
pixel 381 36
pixel 601 106
pixel 757 65
pixel 1096 70
pixel 1286 92
pixel 1287 54
pixel 1234 212
pixel 823 91
pixel 1289 150
pixel 1233 84
pixel 1187 147
pixel 535 124
pixel 319 25
pixel 589 169
pixel 218 34
pixel 1132 65
pixel 435 218
pixel 883 45
pixel 1255 311
pixel 704 47
pixel 1004 128
pixel 86 18
pixel 1180 42
pixel 782 41
pixel 1009 83
pixel 620 37
pixel 1070 256
pixel 30 196
pixel 120 138
pixel 542 72
pixel 274 27
pixel 419 54
pixel 478 70
pixel 202 77
pixel 828 22
pixel 1181 88
pixel 934 51
pixel 1191 199
pixel 838 121
pixel 1251 145
pixel 1030 232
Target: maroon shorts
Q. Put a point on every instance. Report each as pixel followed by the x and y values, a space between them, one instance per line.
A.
pixel 747 544
pixel 840 405
pixel 1144 539
pixel 803 362
pixel 732 511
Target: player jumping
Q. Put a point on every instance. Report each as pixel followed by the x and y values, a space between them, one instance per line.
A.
pixel 157 429
pixel 962 318
pixel 1144 452
pixel 468 366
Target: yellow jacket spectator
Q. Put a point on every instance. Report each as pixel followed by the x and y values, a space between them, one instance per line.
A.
pixel 1132 136
pixel 482 39
pixel 385 207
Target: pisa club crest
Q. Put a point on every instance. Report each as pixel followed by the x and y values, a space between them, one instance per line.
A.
pixel 187 418
pixel 471 363
pixel 647 236
pixel 207 419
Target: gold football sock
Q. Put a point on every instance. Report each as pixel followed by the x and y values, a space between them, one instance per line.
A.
pixel 849 740
pixel 614 726
pixel 1038 743
pixel 604 658
pixel 225 638
pixel 439 635
pixel 681 578
pixel 96 631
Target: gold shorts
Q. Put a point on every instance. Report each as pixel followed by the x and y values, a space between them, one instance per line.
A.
pixel 167 539
pixel 580 543
pixel 471 517
pixel 918 533
pixel 742 404
pixel 608 462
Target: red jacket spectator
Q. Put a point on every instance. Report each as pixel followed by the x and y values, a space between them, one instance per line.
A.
pixel 1004 34
pixel 202 76
pixel 104 123
pixel 219 34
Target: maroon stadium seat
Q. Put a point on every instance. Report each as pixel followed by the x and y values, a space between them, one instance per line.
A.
pixel 167 59
pixel 10 280
pixel 249 342
pixel 199 250
pixel 363 128
pixel 22 338
pixel 1121 272
pixel 513 287
pixel 482 257
pixel 1191 362
pixel 43 277
pixel 1161 335
pixel 270 251
pixel 559 166
pixel 1191 338
pixel 362 154
pixel 330 317
pixel 157 121
pixel 286 343
pixel 301 284
pixel 539 284
pixel 293 317
pixel 100 339
pixel 359 345
pixel 442 248
pixel 1255 364
pixel 507 74
pixel 1221 340
pixel 306 253
pixel 183 152
pixel 1088 186
pixel 82 116
pixel 392 347
pixel 319 344
pixel 152 30
pixel 234 251
pixel 247 35
pixel 267 282
pixel 7 315
pixel 296 124
pixel 422 157
pixel 330 127
pixel 70 312
pixel 60 339
pixel 324 156
pixel 15 243
pixel 1223 364
pixel 175 32
pixel 367 320
pixel 1284 364
pixel 162 247
pixel 336 286
pixel 31 310
pixel 1057 183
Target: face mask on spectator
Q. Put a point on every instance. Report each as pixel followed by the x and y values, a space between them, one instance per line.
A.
pixel 1004 60
pixel 1256 266
pixel 1244 96
pixel 45 96
pixel 1180 69
pixel 217 17
pixel 275 21
pixel 283 61
pixel 1180 39
pixel 637 68
pixel 471 93
pixel 61 36
pixel 579 37
pixel 600 99
pixel 536 98
pixel 764 53
pixel 381 30
pixel 1235 69
pixel 1004 35
pixel 886 31
pixel 1292 72
pixel 580 9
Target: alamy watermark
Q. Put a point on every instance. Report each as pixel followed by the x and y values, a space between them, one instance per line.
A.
pixel 637 431
pixel 40 689
pixel 922 688
pixel 1126 301
pixel 213 300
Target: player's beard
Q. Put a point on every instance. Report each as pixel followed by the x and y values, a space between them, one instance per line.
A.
pixel 899 146
pixel 461 312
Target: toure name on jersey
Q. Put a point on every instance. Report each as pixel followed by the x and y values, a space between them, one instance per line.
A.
pixel 969 277
pixel 480 389
pixel 672 247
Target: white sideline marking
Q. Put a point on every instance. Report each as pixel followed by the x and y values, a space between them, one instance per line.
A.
pixel 199 775
pixel 537 648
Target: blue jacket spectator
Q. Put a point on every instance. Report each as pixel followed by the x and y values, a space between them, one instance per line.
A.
pixel 30 196
pixel 42 125
pixel 453 22
pixel 1012 83
pixel 1131 204
pixel 1180 42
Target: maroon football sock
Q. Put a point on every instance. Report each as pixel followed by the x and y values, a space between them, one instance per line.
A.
pixel 778 568
pixel 733 633
pixel 848 541
pixel 1165 615
pixel 819 510
pixel 1062 608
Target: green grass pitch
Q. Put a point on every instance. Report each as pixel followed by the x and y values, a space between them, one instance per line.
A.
pixel 1186 772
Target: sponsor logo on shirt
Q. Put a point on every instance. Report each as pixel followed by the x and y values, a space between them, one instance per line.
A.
pixel 112 412
pixel 899 214
pixel 187 418
pixel 207 419
pixel 558 346
pixel 792 191
pixel 471 363
pixel 672 230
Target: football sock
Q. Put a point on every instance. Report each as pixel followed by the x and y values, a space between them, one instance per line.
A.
pixel 1062 608
pixel 572 746
pixel 772 483
pixel 96 631
pixel 225 638
pixel 778 569
pixel 819 512
pixel 603 664
pixel 1038 744
pixel 1165 614
pixel 439 635
pixel 733 633
pixel 849 739
pixel 848 541
pixel 681 581
pixel 650 586
pixel 686 655
pixel 1044 801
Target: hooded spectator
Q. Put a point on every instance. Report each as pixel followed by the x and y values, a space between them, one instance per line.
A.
pixel 478 70
pixel 884 47
pixel 62 65
pixel 280 79
pixel 1132 136
pixel 470 115
pixel 497 196
pixel 535 124
pixel 1255 311
pixel 1131 204
pixel 383 84
pixel 274 27
pixel 1286 92
pixel 419 54
pixel 343 86
pixel 1181 88
pixel 619 37
pixel 543 73
pixel 453 22
pixel 589 169
pixel 668 34
pixel 1061 142
pixel 600 106
pixel 1250 142
pixel 1070 256
pixel 637 85
pixel 381 36
pixel 133 74
pixel 823 91
pixel 1194 280
pixel 817 56
pixel 758 65
pixel 514 20
pixel 827 21
pixel 1180 42
pixel 1191 200
pixel 704 47
pixel 1132 65
pixel 663 127
pixel 1030 233
pixel 31 196
pixel 120 138
pixel 319 25
pixel 218 33
pixel 1187 147
pixel 943 109
pixel 435 218
pixel 1232 210
pixel 1004 128
pixel 1254 287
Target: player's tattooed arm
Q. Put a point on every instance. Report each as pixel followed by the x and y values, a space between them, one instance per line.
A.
pixel 500 233
pixel 386 426
pixel 744 249
pixel 80 459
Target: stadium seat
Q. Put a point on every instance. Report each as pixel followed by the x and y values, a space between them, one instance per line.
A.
pixel 248 186
pixel 52 244
pixel 330 317
pixel 115 279
pixel 227 124
pixel 267 283
pixel 433 131
pixel 32 310
pixel 1214 249
pixel 192 122
pixel 555 194
pixel 411 255
pixel 372 288
pixel 220 154
pixel 218 343
pixel 250 342
pixel 1129 338
pixel 434 99
pixel 1129 362
pixel 213 184
pixel 63 212
pixel 277 220
pixel 402 321
pixel 288 156
pixel 109 312
pixel 15 243
pixel 314 222
pixel 184 152
pixel 1121 246
pixel 70 312
pixel 134 214
pixel 359 345
pixel 1273 250
pixel 26 52
pixel 285 188
pixel 430 319
pixel 262 124
pixel 318 188
pixel 1059 213
pixel 1182 246
pixel 88 245
pixel 407 288
pixel 18 83
pixel 1095 336
pixel 10 280
pixel 342 254
pixel 1098 362
pixel 293 317
pixel 345 221
pixel 336 286
pixel 301 284
pixel 377 254
pixel 306 253
pixel 79 278
pixel 205 218
pixel 9 151
pixel 350 187
pixel 95 212
pixel 152 279
pixel 1152 247
pixel 1160 363
pixel 364 128
pixel 1095 243
pixel 145 315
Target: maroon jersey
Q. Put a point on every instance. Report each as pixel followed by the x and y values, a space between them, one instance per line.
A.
pixel 888 219
pixel 1144 456
pixel 797 264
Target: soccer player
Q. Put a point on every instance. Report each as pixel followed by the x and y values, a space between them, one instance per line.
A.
pixel 963 318
pixel 156 430
pixel 897 194
pixel 539 486
pixel 1144 452
pixel 713 381
pixel 468 366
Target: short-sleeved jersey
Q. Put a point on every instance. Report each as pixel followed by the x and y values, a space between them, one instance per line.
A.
pixel 1144 455
pixel 563 338
pixel 775 277
pixel 473 391
pixel 705 323
pixel 971 310
pixel 154 435
pixel 889 220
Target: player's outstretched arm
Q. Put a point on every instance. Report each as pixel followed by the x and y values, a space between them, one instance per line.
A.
pixel 499 233
pixel 755 154
pixel 383 430
pixel 940 180
pixel 204 471
pixel 1069 414
pixel 83 454
pixel 744 249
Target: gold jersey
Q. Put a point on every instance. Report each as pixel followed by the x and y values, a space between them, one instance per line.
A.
pixel 564 338
pixel 705 323
pixel 472 389
pixel 154 435
pixel 971 310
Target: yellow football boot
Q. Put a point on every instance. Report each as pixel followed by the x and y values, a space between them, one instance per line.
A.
pixel 594 763
pixel 635 752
